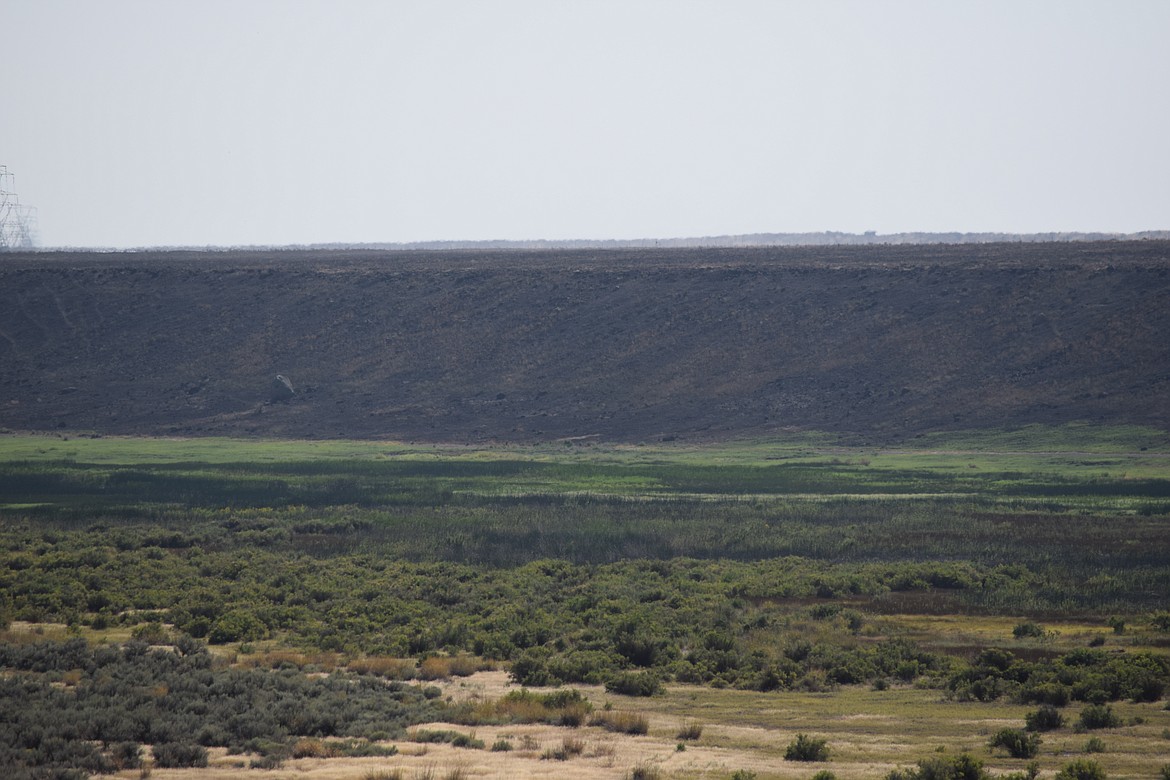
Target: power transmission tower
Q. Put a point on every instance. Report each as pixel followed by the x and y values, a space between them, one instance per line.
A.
pixel 17 222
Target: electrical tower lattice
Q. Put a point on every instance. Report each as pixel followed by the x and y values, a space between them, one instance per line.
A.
pixel 17 222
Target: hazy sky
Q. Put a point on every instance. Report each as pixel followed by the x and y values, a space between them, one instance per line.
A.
pixel 275 121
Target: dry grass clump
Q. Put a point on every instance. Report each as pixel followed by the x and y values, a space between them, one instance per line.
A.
pixel 457 773
pixel 20 632
pixel 603 750
pixel 384 774
pixel 621 721
pixel 558 708
pixel 691 730
pixel 644 772
pixel 806 748
pixel 435 668
pixel 308 747
pixel 383 666
pixel 443 667
pixel 425 773
pixel 573 746
pixel 570 746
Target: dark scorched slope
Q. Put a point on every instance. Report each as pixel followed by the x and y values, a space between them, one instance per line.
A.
pixel 625 344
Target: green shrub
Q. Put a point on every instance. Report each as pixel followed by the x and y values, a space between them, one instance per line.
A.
pixel 309 747
pixel 177 755
pixel 152 633
pixel 1029 631
pixel 1031 773
pixel 236 626
pixel 1017 743
pixel 806 748
pixel 1046 718
pixel 1053 694
pixel 453 738
pixel 1098 716
pixel 634 684
pixel 960 767
pixel 964 767
pixel 467 741
pixel 1095 745
pixel 361 748
pixel 853 620
pixel 126 755
pixel 1081 769
pixel 531 668
pixel 1147 689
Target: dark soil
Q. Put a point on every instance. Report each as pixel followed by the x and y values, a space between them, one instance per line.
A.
pixel 881 341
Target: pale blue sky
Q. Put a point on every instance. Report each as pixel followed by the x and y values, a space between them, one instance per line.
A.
pixel 275 121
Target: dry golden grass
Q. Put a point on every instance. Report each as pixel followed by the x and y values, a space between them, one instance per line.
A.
pixel 20 631
pixel 621 721
pixel 442 667
pixel 524 709
pixel 383 666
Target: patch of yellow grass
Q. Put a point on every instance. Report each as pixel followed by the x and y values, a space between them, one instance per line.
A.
pixel 383 666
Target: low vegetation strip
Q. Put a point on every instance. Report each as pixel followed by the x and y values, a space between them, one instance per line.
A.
pixel 329 582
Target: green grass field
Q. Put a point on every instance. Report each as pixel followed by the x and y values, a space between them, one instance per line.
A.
pixel 1112 467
